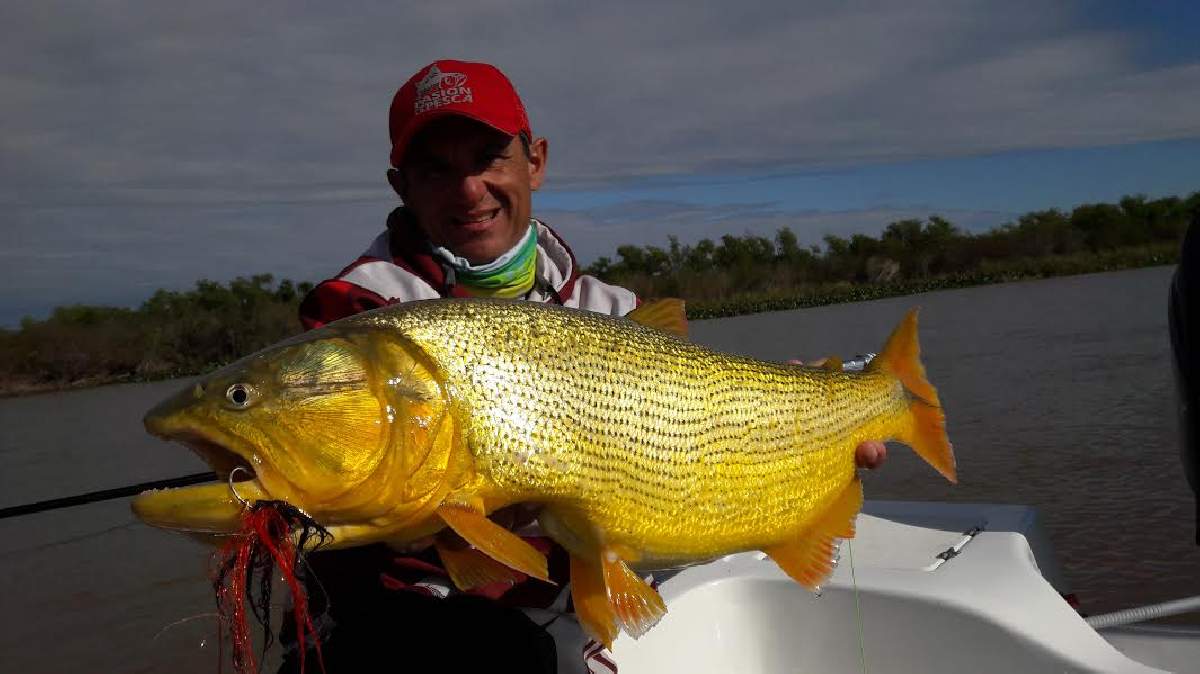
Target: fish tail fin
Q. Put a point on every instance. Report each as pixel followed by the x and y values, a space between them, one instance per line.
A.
pixel 925 427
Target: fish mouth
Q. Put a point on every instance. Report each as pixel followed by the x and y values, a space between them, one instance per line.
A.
pixel 221 459
pixel 208 512
pixel 212 508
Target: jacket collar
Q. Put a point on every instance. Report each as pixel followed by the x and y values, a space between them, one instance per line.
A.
pixel 409 247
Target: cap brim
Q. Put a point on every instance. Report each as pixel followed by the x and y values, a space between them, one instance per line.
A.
pixel 418 123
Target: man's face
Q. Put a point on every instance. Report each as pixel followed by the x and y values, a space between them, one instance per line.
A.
pixel 469 186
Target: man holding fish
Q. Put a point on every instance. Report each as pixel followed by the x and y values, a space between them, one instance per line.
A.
pixel 465 163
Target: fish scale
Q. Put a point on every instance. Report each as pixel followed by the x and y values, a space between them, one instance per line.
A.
pixel 672 449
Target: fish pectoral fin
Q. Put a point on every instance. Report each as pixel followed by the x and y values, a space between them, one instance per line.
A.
pixel 494 540
pixel 591 601
pixel 469 568
pixel 833 364
pixel 809 558
pixel 667 315
pixel 637 606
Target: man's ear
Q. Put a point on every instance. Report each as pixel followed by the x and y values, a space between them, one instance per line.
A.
pixel 539 151
pixel 396 180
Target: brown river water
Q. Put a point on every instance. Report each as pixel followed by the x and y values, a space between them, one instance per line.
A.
pixel 1058 394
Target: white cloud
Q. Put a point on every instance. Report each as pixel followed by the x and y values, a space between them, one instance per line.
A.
pixel 127 124
pixel 255 97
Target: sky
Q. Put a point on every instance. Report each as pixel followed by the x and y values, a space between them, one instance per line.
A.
pixel 148 145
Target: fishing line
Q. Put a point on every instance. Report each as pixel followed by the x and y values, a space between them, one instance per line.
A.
pixel 862 645
pixel 172 625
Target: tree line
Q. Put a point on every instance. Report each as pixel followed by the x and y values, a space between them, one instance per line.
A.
pixel 906 251
pixel 171 334
pixel 176 333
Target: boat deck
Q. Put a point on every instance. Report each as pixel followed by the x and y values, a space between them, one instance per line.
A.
pixel 924 587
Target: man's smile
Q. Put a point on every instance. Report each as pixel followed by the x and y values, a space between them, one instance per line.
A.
pixel 477 221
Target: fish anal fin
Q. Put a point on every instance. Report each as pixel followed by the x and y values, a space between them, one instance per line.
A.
pixel 494 540
pixel 636 605
pixel 591 601
pixel 667 315
pixel 808 559
pixel 469 568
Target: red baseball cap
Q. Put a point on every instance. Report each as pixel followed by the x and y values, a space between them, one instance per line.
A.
pixel 447 87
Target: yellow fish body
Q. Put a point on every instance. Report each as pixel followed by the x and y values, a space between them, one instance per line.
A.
pixel 638 446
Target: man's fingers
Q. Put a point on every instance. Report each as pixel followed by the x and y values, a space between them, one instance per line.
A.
pixel 870 454
pixel 815 363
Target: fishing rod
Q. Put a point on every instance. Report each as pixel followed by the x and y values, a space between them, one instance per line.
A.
pixel 105 494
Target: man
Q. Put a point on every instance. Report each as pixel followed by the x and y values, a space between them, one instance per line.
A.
pixel 1183 314
pixel 465 163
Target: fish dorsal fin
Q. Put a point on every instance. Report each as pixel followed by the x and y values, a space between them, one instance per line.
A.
pixel 667 315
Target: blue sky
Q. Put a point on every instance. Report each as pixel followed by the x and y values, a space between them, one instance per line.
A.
pixel 1016 181
pixel 1168 26
pixel 149 146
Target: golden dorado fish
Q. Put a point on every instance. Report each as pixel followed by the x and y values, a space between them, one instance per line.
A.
pixel 638 447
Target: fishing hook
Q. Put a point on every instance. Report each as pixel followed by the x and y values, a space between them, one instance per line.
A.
pixel 233 490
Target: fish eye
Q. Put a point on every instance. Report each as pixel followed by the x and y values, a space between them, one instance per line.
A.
pixel 240 395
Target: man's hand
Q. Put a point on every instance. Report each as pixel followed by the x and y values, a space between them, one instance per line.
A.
pixel 869 453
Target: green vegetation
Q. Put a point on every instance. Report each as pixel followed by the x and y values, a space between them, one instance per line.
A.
pixel 739 275
pixel 171 334
pixel 179 333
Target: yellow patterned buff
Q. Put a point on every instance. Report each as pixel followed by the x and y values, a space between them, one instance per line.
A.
pixel 509 276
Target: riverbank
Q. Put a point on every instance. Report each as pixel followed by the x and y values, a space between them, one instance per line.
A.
pixel 1027 269
pixel 698 307
pixel 174 334
pixel 18 388
pixel 739 305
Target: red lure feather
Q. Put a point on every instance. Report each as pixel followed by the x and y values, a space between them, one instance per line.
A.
pixel 248 560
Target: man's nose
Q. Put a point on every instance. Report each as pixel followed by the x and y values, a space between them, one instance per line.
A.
pixel 471 188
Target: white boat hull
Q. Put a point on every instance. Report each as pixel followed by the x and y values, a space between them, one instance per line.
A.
pixel 988 608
